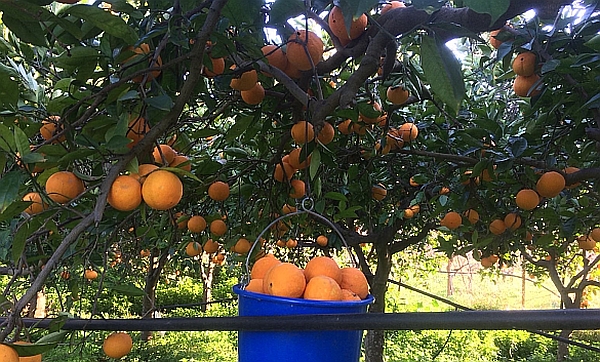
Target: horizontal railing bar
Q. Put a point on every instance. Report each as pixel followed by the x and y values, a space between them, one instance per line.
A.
pixel 576 319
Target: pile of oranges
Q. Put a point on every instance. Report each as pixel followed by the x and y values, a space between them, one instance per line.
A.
pixel 321 279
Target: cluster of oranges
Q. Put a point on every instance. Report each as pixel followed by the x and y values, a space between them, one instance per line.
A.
pixel 321 279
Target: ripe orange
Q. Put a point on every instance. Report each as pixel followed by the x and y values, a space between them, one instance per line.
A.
pixel 296 53
pixel 494 42
pixel 296 155
pixel 117 345
pixel 211 246
pixel 527 199
pixel 283 173
pixel 451 220
pixel 378 192
pixel 162 190
pixel 255 286
pixel 323 265
pixel 408 132
pixel 585 242
pixel 125 193
pixel 90 274
pixel 298 189
pixel 595 234
pixel 163 154
pixel 326 134
pixel 524 64
pixel 136 130
pixel 143 51
pixel 302 132
pixel 196 224
pixel 322 287
pixel 291 243
pixel 182 162
pixel 37 206
pixel 291 71
pixel 444 190
pixel 218 191
pixel 262 265
pixel 360 128
pixel 246 81
pixel 63 186
pixel 392 5
pixel 397 95
pixel 524 86
pixel 50 128
pixel 218 227
pixel 349 295
pixel 354 279
pixel 286 209
pixel 143 171
pixel 144 253
pixel 322 240
pixel 569 170
pixel 193 248
pixel 218 67
pixel 472 215
pixel 338 25
pixel 242 246
pixel 8 354
pixel 345 127
pixel 371 120
pixel 284 280
pixel 254 95
pixel 275 56
pixel 488 261
pixel 550 184
pixel 497 226
pixel 512 221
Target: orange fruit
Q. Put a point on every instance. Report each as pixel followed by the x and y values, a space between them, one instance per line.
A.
pixel 586 242
pixel 354 279
pixel 210 246
pixel 569 170
pixel 378 192
pixel 125 193
pixel 8 354
pixel 444 190
pixel 451 220
pixel 595 234
pixel 296 54
pixel 254 95
pixel 550 184
pixel 50 128
pixel 163 154
pixel 349 295
pixel 291 243
pixel 370 120
pixel 472 215
pixel 246 81
pixel 413 183
pixel 527 199
pixel 183 161
pixel 143 171
pixel 322 287
pixel 291 71
pixel 494 42
pixel 524 64
pixel 280 243
pixel 296 155
pixel 275 56
pixel 181 220
pixel 284 280
pixel 322 240
pixel 408 214
pixel 144 253
pixel 360 128
pixel 286 209
pixel 218 191
pixel 323 265
pixel 255 286
pixel 193 248
pixel 141 51
pixel 90 274
pixel 34 358
pixel 162 190
pixel 136 130
pixel 262 265
pixel 397 95
pixel 63 186
pixel 326 134
pixel 196 224
pixel 117 345
pixel 338 27
pixel 408 132
pixel 497 226
pixel 283 172
pixel 298 189
pixel 242 246
pixel 218 227
pixel 512 221
pixel 392 5
pixel 524 86
pixel 302 132
pixel 218 67
pixel 345 127
pixel 37 206
pixel 488 261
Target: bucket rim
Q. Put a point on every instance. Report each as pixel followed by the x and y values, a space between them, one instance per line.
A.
pixel 237 289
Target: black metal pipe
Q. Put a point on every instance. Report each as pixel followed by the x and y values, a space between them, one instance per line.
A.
pixel 468 320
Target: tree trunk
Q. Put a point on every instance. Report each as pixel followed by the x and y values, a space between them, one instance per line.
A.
pixel 375 339
pixel 449 287
pixel 207 283
pixel 148 304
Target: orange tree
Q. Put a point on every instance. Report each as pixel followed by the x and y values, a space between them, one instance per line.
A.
pixel 381 126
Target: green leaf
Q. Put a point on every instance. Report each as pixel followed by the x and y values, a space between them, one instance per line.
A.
pixel 163 103
pixel 9 92
pixel 13 210
pixel 28 31
pixel 243 11
pixel 104 20
pixel 315 162
pixel 443 71
pixel 241 124
pixel 593 43
pixel 21 141
pixel 281 10
pixel 9 188
pixel 493 7
pixel 77 56
pixel 20 239
pixel 352 9
pixel 336 196
pixel 7 142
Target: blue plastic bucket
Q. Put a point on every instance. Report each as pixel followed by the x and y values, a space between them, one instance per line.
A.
pixel 297 346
